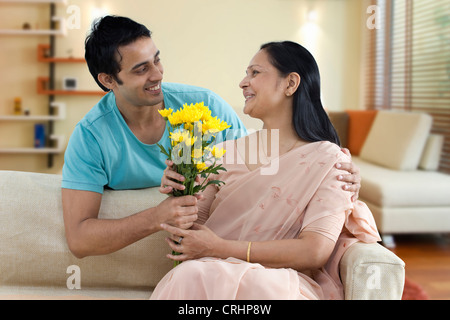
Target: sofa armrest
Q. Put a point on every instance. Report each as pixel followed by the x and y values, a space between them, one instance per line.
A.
pixel 372 272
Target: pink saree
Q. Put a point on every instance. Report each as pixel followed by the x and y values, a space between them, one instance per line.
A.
pixel 304 195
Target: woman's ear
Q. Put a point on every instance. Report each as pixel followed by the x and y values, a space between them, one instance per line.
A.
pixel 107 80
pixel 293 81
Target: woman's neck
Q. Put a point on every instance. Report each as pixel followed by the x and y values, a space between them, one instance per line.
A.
pixel 283 135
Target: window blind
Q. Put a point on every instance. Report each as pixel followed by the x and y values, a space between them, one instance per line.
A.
pixel 408 62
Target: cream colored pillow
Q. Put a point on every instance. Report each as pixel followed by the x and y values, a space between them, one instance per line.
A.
pixel 431 156
pixel 397 139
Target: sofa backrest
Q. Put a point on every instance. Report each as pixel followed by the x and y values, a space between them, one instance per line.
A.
pixel 397 139
pixel 359 125
pixel 33 247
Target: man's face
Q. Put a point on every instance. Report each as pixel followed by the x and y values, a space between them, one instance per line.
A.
pixel 141 75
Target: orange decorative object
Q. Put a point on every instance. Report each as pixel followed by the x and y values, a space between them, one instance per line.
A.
pixel 360 122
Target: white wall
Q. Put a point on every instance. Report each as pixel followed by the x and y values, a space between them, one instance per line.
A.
pixel 203 42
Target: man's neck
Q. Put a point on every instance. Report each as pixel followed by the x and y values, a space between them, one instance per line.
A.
pixel 145 122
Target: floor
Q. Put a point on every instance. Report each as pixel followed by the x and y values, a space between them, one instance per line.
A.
pixel 427 259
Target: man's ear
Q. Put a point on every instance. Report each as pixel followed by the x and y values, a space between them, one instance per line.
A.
pixel 293 81
pixel 107 80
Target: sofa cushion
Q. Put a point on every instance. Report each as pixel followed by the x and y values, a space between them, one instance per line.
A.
pixel 34 251
pixel 393 188
pixel 360 122
pixel 340 119
pixel 397 139
pixel 431 156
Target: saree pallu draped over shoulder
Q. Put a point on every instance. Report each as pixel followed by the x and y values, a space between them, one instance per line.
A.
pixel 302 195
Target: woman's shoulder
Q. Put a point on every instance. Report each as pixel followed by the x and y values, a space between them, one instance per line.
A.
pixel 325 150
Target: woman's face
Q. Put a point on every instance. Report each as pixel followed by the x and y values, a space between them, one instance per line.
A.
pixel 263 88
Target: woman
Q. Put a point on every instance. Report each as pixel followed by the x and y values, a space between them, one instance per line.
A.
pixel 275 236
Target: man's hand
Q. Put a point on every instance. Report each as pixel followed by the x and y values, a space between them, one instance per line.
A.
pixel 180 212
pixel 171 180
pixel 353 180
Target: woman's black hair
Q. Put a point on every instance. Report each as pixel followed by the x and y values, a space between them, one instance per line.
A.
pixel 310 120
pixel 101 45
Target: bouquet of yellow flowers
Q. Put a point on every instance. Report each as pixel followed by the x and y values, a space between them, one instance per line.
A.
pixel 192 133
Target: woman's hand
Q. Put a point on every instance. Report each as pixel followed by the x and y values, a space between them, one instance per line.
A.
pixel 196 243
pixel 353 180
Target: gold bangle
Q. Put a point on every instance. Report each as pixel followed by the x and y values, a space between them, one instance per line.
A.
pixel 248 251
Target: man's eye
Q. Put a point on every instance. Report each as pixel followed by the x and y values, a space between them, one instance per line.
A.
pixel 254 72
pixel 142 70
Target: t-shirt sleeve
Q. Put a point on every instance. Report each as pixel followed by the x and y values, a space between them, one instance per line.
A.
pixel 83 163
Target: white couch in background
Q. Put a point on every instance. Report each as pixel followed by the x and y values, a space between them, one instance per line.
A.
pixel 400 182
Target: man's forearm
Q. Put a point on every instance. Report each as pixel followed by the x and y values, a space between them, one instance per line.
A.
pixel 98 237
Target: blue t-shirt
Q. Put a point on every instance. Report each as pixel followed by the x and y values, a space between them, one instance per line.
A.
pixel 104 152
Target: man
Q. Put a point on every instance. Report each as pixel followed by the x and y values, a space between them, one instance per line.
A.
pixel 114 145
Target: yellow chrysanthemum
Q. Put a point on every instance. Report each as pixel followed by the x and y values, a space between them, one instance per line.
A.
pixel 165 113
pixel 214 125
pixel 175 118
pixel 192 113
pixel 201 166
pixel 182 136
pixel 217 153
pixel 197 153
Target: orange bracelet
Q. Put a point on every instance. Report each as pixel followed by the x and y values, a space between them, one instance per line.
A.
pixel 248 251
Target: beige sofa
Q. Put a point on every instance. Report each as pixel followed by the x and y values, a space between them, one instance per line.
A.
pixel 35 262
pixel 398 160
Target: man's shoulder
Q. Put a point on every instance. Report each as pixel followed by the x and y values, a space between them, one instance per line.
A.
pixel 102 109
pixel 170 87
pixel 176 95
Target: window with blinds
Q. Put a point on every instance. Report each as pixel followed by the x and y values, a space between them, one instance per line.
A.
pixel 408 61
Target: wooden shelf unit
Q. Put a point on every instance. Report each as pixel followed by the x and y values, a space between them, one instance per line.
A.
pixel 42 82
pixel 59 115
pixel 62 31
pixel 59 148
pixel 42 89
pixel 55 143
pixel 35 1
pixel 42 56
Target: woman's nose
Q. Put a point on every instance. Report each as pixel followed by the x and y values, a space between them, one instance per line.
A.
pixel 243 83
